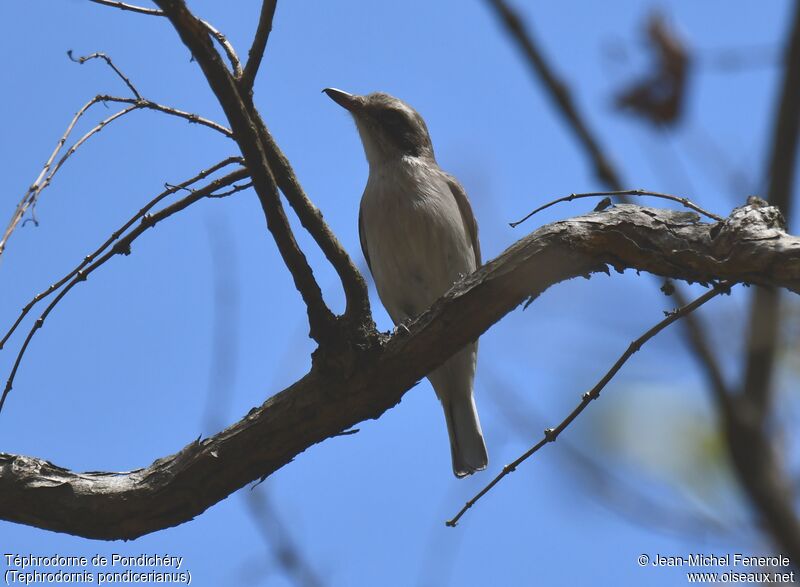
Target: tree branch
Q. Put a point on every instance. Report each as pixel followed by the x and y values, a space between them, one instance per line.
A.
pixel 604 170
pixel 195 36
pixel 256 52
pixel 765 307
pixel 114 236
pixel 129 7
pixel 357 311
pixel 756 455
pixel 110 63
pixel 48 172
pixel 552 434
pixel 123 247
pixel 685 202
pixel 265 161
pixel 558 91
pixel 755 458
pixel 749 246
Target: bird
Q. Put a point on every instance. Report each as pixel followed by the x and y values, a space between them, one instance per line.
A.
pixel 419 236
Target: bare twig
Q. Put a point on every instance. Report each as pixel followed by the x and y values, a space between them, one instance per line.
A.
pixel 110 63
pixel 122 246
pixel 190 116
pixel 46 176
pixel 141 102
pixel 683 201
pixel 129 7
pixel 32 195
pixel 625 496
pixel 29 200
pixel 114 236
pixel 551 434
pixel 230 192
pixel 220 38
pixel 256 52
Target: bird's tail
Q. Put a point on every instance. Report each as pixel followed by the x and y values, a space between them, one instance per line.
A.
pixel 453 384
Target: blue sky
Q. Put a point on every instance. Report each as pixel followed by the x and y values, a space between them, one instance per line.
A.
pixel 120 374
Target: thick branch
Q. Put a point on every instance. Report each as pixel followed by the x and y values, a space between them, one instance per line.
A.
pixel 750 246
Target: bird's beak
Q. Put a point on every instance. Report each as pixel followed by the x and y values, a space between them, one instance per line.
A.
pixel 345 100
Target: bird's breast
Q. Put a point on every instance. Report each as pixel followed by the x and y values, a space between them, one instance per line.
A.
pixel 415 237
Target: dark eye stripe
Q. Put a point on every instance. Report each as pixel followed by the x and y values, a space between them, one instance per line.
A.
pixel 395 118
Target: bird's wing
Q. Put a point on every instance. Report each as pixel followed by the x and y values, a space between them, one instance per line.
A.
pixel 362 237
pixel 467 217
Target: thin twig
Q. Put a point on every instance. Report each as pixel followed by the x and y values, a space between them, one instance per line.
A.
pixel 122 246
pixel 114 236
pixel 110 63
pixel 29 200
pixel 190 116
pixel 221 39
pixel 233 190
pixel 256 52
pixel 32 195
pixel 624 496
pixel 142 102
pixel 683 201
pixel 129 7
pixel 551 434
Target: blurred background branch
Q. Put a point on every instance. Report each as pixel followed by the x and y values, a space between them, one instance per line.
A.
pixel 658 99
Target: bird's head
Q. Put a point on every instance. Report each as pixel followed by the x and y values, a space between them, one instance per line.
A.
pixel 389 128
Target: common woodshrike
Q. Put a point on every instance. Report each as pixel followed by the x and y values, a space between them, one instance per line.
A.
pixel 419 236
